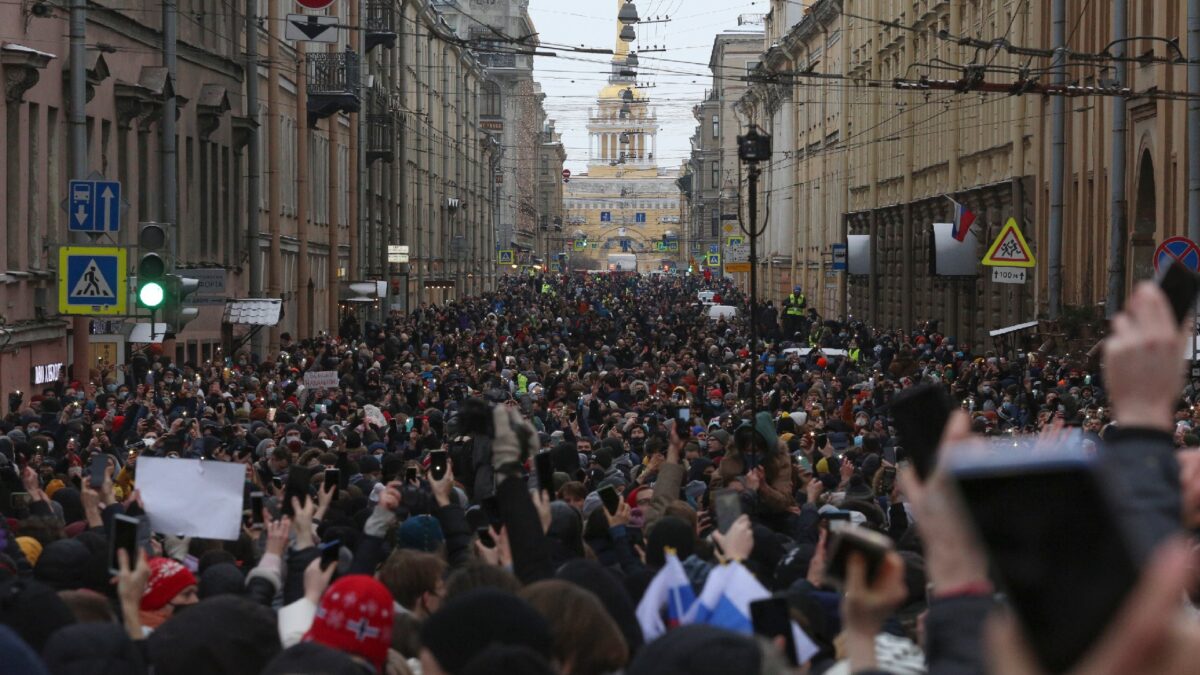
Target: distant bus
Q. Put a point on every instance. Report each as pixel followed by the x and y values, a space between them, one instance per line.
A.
pixel 622 262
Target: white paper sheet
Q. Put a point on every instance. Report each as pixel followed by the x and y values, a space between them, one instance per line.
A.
pixel 192 498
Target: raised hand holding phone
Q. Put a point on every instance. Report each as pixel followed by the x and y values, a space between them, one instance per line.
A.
pixel 867 604
pixel 1144 360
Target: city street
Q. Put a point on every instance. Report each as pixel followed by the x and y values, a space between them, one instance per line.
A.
pixel 652 337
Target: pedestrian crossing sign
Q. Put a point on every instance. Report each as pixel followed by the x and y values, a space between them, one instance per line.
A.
pixel 92 280
pixel 504 257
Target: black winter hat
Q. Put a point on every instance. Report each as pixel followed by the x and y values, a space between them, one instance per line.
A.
pixel 310 658
pixel 225 634
pixel 698 650
pixel 33 610
pixel 93 649
pixel 510 660
pixel 60 563
pixel 222 579
pixel 593 576
pixel 669 531
pixel 470 623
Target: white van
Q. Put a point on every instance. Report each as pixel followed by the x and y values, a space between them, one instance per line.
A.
pixel 722 312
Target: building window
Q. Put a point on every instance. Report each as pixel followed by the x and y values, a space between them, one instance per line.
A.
pixel 716 121
pixel 715 178
pixel 491 99
pixel 545 165
pixel 716 224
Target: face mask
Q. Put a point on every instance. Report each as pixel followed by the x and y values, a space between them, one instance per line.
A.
pixel 715 402
pixel 110 388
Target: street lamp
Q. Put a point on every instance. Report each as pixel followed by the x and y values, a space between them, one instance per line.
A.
pixel 753 148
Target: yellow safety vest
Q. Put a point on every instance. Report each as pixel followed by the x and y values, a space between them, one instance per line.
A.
pixel 855 354
pixel 522 384
pixel 795 305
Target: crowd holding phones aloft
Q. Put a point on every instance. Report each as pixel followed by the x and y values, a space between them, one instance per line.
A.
pixel 576 475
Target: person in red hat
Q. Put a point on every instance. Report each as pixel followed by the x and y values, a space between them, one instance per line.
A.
pixel 170 589
pixel 355 616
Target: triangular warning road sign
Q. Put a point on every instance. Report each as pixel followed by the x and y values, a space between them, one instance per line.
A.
pixel 92 283
pixel 1010 248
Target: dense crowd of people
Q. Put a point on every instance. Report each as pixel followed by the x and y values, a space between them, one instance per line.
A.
pixel 423 538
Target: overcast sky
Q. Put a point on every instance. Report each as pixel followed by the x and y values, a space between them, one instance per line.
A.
pixel 680 74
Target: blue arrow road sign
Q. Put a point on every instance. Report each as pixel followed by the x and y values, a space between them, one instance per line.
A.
pixel 94 206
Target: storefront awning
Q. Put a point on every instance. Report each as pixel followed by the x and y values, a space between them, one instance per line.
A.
pixel 1012 329
pixel 253 312
pixel 142 333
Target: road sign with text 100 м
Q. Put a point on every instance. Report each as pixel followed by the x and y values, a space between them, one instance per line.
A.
pixel 92 280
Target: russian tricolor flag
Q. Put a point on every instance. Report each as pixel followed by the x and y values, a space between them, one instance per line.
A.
pixel 963 219
pixel 725 603
pixel 670 588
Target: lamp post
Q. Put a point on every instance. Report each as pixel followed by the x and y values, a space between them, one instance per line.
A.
pixel 753 148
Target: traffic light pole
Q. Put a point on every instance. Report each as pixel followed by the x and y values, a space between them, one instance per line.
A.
pixel 80 325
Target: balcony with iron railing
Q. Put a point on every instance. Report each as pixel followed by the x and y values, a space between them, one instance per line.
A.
pixel 497 60
pixel 381 24
pixel 381 129
pixel 333 84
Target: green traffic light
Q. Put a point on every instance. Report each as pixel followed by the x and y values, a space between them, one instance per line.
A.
pixel 151 294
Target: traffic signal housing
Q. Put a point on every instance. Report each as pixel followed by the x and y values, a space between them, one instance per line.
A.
pixel 178 288
pixel 153 264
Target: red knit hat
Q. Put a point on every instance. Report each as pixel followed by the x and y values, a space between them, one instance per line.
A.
pixel 355 616
pixel 167 579
pixel 631 498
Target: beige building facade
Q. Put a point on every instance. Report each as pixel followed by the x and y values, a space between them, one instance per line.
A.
pixel 345 171
pixel 856 155
pixel 625 203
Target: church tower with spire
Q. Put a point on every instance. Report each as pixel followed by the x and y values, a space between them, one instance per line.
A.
pixel 622 128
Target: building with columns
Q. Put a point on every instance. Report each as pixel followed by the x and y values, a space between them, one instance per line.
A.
pixel 625 202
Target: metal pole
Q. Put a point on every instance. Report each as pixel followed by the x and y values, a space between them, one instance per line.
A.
pixel 1119 206
pixel 1058 152
pixel 79 164
pixel 753 206
pixel 356 155
pixel 304 311
pixel 274 168
pixel 170 209
pixel 1193 120
pixel 252 154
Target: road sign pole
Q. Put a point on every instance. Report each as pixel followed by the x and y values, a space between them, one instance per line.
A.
pixel 79 162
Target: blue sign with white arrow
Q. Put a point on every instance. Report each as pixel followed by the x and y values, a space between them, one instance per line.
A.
pixel 94 206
